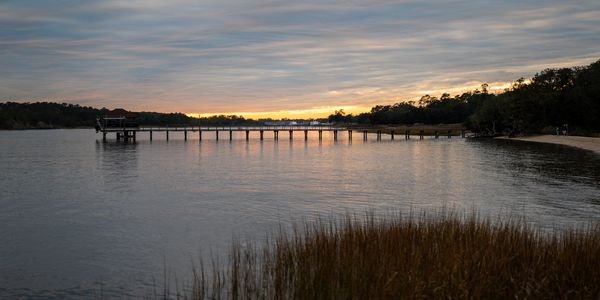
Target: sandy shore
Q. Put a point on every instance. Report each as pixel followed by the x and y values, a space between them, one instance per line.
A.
pixel 588 143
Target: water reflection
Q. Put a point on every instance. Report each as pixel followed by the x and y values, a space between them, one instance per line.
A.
pixel 77 211
pixel 118 163
pixel 553 180
pixel 552 164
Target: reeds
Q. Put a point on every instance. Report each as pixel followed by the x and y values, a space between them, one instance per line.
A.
pixel 427 256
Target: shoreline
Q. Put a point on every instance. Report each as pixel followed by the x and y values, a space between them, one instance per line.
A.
pixel 581 142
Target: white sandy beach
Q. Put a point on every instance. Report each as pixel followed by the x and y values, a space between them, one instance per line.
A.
pixel 588 143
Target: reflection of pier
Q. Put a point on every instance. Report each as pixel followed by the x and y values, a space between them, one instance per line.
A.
pixel 130 133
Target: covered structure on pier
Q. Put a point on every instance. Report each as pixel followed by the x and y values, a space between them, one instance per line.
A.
pixel 117 118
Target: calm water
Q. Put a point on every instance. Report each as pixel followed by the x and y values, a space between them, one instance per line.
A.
pixel 77 215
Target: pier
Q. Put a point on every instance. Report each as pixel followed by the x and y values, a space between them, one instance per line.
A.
pixel 124 126
pixel 130 133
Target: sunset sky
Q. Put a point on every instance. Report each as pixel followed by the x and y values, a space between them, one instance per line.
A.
pixel 280 58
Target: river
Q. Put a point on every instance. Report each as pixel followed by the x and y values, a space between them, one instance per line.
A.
pixel 78 215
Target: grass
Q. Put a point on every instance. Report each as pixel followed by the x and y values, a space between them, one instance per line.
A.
pixel 428 256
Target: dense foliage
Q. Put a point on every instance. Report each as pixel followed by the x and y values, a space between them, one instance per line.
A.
pixel 44 115
pixel 552 98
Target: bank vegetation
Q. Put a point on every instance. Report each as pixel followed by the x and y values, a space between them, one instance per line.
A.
pixel 446 255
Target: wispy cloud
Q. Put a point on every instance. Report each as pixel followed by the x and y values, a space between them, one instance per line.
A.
pixel 256 56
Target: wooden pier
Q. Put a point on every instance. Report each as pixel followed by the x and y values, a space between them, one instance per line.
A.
pixel 130 133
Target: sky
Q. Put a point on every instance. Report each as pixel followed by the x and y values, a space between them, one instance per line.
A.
pixel 281 58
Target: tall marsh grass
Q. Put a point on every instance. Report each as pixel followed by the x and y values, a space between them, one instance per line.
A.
pixel 426 256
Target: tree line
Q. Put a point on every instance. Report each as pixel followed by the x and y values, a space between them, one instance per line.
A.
pixel 48 115
pixel 552 98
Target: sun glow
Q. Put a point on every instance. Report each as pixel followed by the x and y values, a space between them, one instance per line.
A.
pixel 311 113
pixel 368 97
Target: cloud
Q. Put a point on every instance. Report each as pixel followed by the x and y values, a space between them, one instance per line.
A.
pixel 253 56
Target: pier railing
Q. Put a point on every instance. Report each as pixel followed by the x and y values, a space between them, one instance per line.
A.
pixel 127 133
pixel 224 128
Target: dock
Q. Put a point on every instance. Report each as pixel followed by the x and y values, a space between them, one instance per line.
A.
pixel 130 133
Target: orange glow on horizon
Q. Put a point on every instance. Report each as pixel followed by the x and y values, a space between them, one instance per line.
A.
pixel 311 113
pixel 367 97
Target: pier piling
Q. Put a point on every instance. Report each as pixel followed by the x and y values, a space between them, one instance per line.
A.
pixel 130 133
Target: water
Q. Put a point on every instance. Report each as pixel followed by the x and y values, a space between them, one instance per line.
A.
pixel 79 217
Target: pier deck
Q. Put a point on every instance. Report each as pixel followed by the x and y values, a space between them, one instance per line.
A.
pixel 130 133
pixel 222 128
